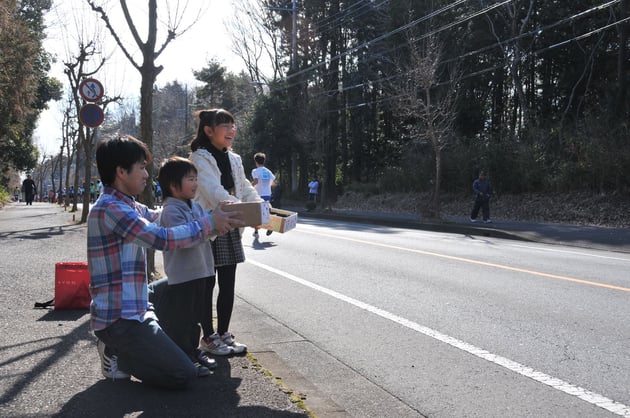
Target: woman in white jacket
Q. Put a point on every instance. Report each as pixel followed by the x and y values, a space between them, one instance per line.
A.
pixel 221 177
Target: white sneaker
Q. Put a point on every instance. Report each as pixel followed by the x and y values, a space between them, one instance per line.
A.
pixel 215 345
pixel 109 364
pixel 228 339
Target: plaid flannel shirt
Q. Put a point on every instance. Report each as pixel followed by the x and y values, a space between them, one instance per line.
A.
pixel 119 230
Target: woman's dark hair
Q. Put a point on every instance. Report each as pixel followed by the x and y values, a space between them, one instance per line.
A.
pixel 123 151
pixel 211 118
pixel 171 173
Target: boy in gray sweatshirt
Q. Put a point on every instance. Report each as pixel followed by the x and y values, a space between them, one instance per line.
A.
pixel 183 302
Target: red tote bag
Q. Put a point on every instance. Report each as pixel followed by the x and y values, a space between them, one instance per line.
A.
pixel 72 286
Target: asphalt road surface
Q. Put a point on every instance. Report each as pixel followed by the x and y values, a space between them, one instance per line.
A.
pixel 395 322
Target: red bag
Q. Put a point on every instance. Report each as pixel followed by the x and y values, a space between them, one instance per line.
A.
pixel 72 286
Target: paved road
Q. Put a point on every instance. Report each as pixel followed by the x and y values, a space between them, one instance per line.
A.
pixel 49 365
pixel 374 312
pixel 611 239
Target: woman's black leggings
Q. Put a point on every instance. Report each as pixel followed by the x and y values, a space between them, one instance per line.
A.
pixel 226 277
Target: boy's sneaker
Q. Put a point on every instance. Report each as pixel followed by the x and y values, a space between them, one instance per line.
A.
pixel 269 232
pixel 228 339
pixel 202 371
pixel 215 345
pixel 109 363
pixel 473 220
pixel 255 234
pixel 487 221
pixel 206 361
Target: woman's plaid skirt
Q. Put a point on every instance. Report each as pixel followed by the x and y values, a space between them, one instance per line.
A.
pixel 227 249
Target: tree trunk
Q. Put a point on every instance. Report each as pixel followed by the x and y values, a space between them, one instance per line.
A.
pixel 622 62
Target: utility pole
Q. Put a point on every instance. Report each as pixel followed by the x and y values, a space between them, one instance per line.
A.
pixel 294 36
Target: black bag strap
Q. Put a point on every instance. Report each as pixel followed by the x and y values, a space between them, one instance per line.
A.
pixel 44 305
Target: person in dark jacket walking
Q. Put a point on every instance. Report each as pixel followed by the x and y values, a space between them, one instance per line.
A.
pixel 29 189
pixel 483 192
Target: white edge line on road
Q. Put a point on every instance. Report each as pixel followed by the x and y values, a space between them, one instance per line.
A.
pixel 555 383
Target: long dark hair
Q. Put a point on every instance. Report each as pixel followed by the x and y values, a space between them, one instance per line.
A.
pixel 211 118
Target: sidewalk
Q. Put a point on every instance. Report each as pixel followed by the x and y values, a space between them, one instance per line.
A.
pixel 49 365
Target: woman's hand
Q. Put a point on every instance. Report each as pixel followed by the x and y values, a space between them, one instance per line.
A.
pixel 224 221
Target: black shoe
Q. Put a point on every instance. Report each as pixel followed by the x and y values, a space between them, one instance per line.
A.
pixel 206 361
pixel 269 232
pixel 202 371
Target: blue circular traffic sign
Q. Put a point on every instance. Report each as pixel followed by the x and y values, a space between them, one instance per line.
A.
pixel 91 115
pixel 91 90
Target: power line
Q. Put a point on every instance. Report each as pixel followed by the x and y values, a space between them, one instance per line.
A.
pixel 387 35
pixel 409 25
pixel 357 13
pixel 488 69
pixel 515 38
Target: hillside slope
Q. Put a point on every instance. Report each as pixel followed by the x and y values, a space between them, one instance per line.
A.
pixel 573 208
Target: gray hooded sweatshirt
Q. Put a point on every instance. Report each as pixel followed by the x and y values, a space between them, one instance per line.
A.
pixel 185 264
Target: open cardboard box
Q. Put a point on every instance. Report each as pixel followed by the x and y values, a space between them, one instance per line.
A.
pixel 281 220
pixel 253 213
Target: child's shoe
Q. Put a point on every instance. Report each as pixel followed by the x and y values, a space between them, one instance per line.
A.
pixel 215 345
pixel 237 348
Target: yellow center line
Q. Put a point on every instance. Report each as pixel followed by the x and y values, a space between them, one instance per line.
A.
pixel 481 263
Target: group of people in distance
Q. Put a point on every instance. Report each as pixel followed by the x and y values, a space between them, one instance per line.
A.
pixel 161 333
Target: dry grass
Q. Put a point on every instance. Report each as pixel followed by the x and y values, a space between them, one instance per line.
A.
pixel 573 208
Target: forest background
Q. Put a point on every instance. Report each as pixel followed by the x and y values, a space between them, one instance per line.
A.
pixel 393 105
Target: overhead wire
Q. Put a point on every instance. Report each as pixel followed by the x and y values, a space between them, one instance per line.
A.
pixel 513 39
pixel 495 67
pixel 468 54
pixel 356 14
pixel 385 36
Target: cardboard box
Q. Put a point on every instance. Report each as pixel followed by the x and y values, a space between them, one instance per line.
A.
pixel 253 213
pixel 281 220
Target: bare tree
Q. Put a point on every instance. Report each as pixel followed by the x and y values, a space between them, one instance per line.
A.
pixel 75 71
pixel 427 105
pixel 39 174
pixel 255 39
pixel 150 51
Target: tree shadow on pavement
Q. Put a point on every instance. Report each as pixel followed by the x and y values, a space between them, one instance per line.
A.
pixel 212 396
pixel 40 233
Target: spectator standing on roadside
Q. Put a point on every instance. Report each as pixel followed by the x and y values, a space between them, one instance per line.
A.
pixel 221 178
pixel 99 188
pixel 180 310
pixel 92 192
pixel 262 180
pixel 29 189
pixel 119 229
pixel 483 192
pixel 313 189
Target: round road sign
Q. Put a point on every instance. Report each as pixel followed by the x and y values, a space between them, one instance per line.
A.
pixel 91 90
pixel 91 115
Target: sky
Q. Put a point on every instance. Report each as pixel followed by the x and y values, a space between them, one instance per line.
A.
pixel 205 40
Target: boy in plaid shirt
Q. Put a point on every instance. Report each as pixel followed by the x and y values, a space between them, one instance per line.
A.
pixel 130 340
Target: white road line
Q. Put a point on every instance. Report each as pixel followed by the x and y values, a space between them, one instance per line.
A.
pixel 572 252
pixel 555 383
